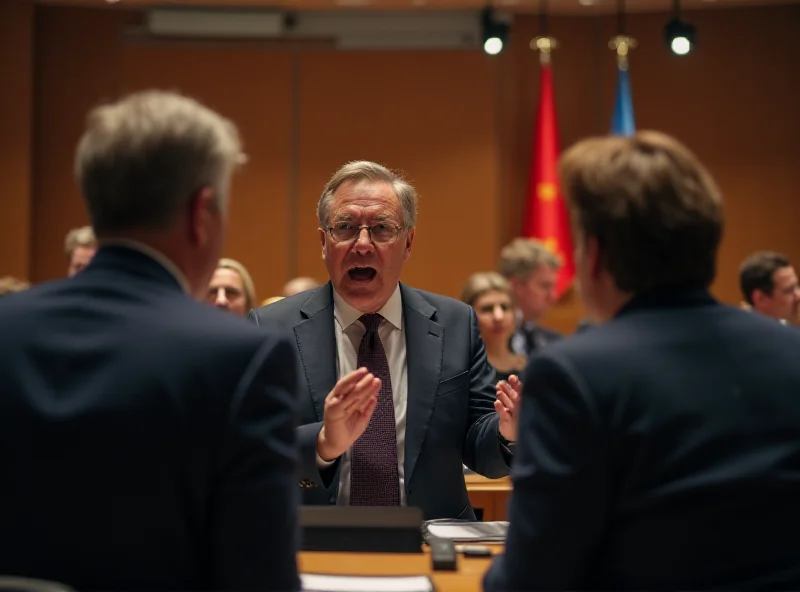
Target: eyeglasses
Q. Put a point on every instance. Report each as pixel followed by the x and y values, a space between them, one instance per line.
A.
pixel 379 234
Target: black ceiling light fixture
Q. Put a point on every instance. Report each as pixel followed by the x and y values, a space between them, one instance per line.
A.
pixel 680 35
pixel 495 32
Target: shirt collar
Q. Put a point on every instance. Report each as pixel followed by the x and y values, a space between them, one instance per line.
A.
pixel 346 315
pixel 154 254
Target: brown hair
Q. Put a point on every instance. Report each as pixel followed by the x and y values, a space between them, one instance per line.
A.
pixel 651 205
pixel 755 273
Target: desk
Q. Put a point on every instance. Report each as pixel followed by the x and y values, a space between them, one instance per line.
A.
pixel 468 577
pixel 489 494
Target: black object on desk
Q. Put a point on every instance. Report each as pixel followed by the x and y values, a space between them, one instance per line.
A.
pixel 361 529
pixel 443 554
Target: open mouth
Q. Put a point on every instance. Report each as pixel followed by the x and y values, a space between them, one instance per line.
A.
pixel 362 274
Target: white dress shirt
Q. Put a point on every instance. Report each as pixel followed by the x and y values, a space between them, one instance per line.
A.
pixel 349 332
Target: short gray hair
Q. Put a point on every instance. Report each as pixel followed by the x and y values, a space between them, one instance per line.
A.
pixel 523 256
pixel 364 170
pixel 79 237
pixel 143 157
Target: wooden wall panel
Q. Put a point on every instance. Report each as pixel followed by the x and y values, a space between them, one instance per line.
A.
pixel 16 120
pixel 460 124
pixel 431 114
pixel 253 89
pixel 77 65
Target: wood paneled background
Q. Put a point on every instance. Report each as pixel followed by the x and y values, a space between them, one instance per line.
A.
pixel 459 123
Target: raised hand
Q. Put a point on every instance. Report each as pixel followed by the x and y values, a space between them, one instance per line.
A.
pixel 507 406
pixel 348 408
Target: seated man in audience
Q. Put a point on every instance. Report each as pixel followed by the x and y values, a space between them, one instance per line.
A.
pixel 396 391
pixel 147 441
pixel 769 286
pixel 80 246
pixel 532 270
pixel 231 288
pixel 661 449
pixel 299 284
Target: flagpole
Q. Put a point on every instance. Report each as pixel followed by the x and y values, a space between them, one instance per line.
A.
pixel 622 120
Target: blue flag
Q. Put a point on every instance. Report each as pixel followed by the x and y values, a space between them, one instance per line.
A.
pixel 623 123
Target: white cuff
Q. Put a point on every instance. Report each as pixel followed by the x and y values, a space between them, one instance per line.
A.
pixel 323 464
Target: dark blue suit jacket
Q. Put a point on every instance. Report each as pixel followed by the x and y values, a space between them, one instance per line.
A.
pixel 146 440
pixel 659 451
pixel 451 392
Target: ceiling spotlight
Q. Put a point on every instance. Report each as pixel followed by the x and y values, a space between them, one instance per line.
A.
pixel 679 34
pixel 495 32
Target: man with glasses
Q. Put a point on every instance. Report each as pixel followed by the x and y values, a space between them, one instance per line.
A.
pixel 396 391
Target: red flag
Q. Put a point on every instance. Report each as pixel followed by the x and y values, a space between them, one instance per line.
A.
pixel 546 216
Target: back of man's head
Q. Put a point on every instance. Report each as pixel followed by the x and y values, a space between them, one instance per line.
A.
pixel 650 205
pixel 152 159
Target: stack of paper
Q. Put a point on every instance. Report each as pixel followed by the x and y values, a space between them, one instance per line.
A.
pixel 466 531
pixel 334 583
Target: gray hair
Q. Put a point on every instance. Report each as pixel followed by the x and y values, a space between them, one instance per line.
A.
pixel 79 237
pixel 142 158
pixel 523 256
pixel 364 170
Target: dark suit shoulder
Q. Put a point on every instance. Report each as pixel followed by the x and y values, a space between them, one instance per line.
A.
pixel 664 347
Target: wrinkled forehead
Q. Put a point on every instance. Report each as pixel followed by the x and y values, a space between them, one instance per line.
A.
pixel 366 200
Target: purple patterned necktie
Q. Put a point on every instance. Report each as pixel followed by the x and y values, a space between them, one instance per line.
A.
pixel 373 471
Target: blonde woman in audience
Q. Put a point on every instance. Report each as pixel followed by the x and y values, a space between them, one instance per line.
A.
pixel 10 285
pixel 231 288
pixel 490 294
pixel 80 245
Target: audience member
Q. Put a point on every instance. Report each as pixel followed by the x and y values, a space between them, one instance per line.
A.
pixel 769 285
pixel 532 270
pixel 490 295
pixel 231 288
pixel 11 285
pixel 299 284
pixel 80 246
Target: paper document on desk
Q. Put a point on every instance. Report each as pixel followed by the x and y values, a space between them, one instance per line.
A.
pixel 466 531
pixel 335 583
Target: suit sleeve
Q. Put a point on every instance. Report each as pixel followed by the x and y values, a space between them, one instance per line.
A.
pixel 254 518
pixel 558 507
pixel 483 452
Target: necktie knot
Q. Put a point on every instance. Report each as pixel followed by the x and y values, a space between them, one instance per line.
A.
pixel 371 322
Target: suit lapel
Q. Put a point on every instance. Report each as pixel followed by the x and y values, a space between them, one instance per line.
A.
pixel 316 342
pixel 424 350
